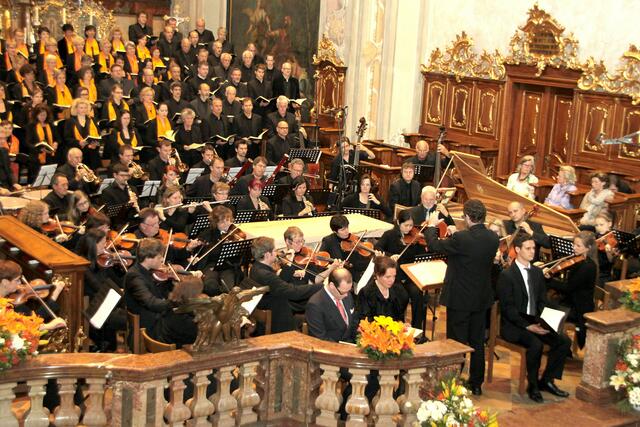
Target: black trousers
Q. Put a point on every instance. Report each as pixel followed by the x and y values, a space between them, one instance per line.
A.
pixel 418 304
pixel 560 349
pixel 468 327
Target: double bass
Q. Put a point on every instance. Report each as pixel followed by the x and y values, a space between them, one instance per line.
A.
pixel 362 126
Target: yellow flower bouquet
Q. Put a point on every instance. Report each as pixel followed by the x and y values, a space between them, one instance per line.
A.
pixel 19 335
pixel 384 338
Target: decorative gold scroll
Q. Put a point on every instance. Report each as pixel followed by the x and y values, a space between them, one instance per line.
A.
pixel 541 42
pixel 77 14
pixel 327 52
pixel 460 60
pixel 625 81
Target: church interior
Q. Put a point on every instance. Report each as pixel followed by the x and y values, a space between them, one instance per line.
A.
pixel 319 212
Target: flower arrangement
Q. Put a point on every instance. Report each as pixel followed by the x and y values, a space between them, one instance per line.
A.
pixel 384 338
pixel 451 406
pixel 631 300
pixel 19 335
pixel 626 374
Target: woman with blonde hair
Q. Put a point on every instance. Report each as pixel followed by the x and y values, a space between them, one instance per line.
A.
pixel 565 184
pixel 80 131
pixel 35 214
pixel 523 180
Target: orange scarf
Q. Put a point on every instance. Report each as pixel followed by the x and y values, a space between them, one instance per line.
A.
pixel 63 96
pixel 133 64
pixel 133 142
pixel 70 48
pixel 105 62
pixel 58 61
pixel 113 115
pixel 117 46
pixel 93 130
pixel 77 61
pixel 164 126
pixel 41 47
pixel 143 53
pixel 13 145
pixel 91 47
pixel 151 110
pixel 44 135
pixel 23 50
pixel 93 91
pixel 8 64
pixel 49 74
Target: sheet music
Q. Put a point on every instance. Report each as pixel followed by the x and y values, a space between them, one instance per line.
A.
pixel 233 172
pixel 268 171
pixel 430 272
pixel 105 183
pixel 366 276
pixel 105 309
pixel 193 174
pixel 252 303
pixel 553 317
pixel 44 175
pixel 150 188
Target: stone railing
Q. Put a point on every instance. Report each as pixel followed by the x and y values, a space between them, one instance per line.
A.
pixel 286 377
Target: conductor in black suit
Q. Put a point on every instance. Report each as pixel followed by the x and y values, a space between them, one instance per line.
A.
pixel 330 313
pixel 522 293
pixel 467 291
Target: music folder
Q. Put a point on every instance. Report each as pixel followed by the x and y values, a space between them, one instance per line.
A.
pixel 551 319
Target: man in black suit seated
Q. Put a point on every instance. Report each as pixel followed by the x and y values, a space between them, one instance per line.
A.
pixel 428 158
pixel 467 291
pixel 158 165
pixel 280 144
pixel 280 292
pixel 58 199
pixel 523 296
pixel 519 219
pixel 201 187
pixel 237 161
pixel 139 28
pixel 242 185
pixel 119 193
pixel 428 206
pixel 331 314
pixel 143 294
pixel 405 190
pixel 296 169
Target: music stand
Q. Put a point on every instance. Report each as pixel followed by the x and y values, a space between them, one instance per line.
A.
pixel 202 222
pixel 325 213
pixel 268 171
pixel 623 237
pixel 188 200
pixel 309 155
pixel 45 174
pixel 233 200
pixel 229 250
pixel 320 197
pixel 150 189
pixel 104 184
pixel 371 213
pixel 276 193
pixel 252 216
pixel 423 173
pixel 431 256
pixel 233 172
pixel 192 175
pixel 560 247
pixel 115 211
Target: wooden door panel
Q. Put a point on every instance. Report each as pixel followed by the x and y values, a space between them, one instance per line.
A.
pixel 630 124
pixel 559 143
pixel 529 123
pixel 487 110
pixel 435 102
pixel 461 101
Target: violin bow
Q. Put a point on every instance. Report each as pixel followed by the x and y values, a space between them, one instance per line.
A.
pixel 212 248
pixel 413 240
pixel 44 304
pixel 115 251
pixel 173 271
pixel 356 245
pixel 166 250
pixel 556 261
pixel 59 225
pixel 112 244
pixel 281 258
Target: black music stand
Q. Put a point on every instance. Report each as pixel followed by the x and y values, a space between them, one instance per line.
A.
pixel 228 250
pixel 433 307
pixel 196 199
pixel 320 196
pixel 202 222
pixel 118 214
pixel 623 237
pixel 560 247
pixel 423 173
pixel 431 256
pixel 252 216
pixel 309 155
pixel 275 193
pixel 233 200
pixel 371 213
pixel 325 213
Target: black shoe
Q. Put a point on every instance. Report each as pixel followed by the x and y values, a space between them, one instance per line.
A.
pixel 534 394
pixel 552 388
pixel 476 390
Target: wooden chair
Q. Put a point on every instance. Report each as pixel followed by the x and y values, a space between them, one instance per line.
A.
pixel 397 209
pixel 152 346
pixel 264 317
pixel 133 332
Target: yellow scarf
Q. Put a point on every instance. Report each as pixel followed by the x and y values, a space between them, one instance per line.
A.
pixel 164 126
pixel 77 61
pixel 133 142
pixel 113 115
pixel 12 145
pixel 70 48
pixel 151 110
pixel 117 46
pixel 44 135
pixel 23 50
pixel 41 47
pixel 63 96
pixel 91 47
pixel 93 91
pixel 7 60
pixel 105 62
pixel 58 61
pixel 133 64
pixel 93 130
pixel 143 53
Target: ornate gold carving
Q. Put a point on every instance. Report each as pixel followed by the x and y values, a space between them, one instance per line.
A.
pixel 625 81
pixel 487 103
pixel 435 101
pixel 79 14
pixel 541 42
pixel 327 52
pixel 460 60
pixel 597 120
pixel 628 150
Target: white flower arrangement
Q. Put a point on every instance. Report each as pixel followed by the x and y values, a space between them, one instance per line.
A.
pixel 626 374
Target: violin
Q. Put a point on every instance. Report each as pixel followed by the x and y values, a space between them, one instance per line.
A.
pixel 607 239
pixel 123 241
pixel 39 288
pixel 237 235
pixel 178 240
pixel 443 230
pixel 56 226
pixel 109 259
pixel 415 237
pixel 169 272
pixel 363 248
pixel 563 265
pixel 308 256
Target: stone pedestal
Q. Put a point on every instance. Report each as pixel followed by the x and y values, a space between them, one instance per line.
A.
pixel 605 329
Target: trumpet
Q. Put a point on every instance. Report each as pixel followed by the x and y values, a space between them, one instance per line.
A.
pixel 175 160
pixel 86 174
pixel 136 170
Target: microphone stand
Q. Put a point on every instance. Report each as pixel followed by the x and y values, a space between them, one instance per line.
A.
pixel 342 175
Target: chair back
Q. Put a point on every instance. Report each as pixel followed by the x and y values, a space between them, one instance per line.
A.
pixel 152 346
pixel 264 317
pixel 397 209
pixel 133 332
pixel 601 299
pixel 494 324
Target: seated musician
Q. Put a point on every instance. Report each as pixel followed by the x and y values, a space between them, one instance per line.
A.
pixel 428 205
pixel 35 214
pixel 295 169
pixel 220 191
pixel 597 199
pixel 70 170
pixel 207 155
pixel 607 253
pixel 97 283
pixel 520 220
pixel 428 158
pixel 158 164
pixel 171 177
pixel 523 181
pixel 201 187
pixel 249 124
pixel 522 293
pixel 577 291
pixel 394 242
pixel 382 296
pixel 254 201
pixel 241 148
pixel 298 202
pixel 365 198
pixel 119 192
pixel 144 296
pixel 348 156
pixel 339 225
pixel 125 157
pixel 330 313
pixel 242 185
pixel 79 128
pixel 280 144
pixel 221 219
pixel 565 184
pixel 79 209
pixel 172 214
pixel 10 282
pixel 280 292
pixel 405 190
pixel 179 328
pixel 58 199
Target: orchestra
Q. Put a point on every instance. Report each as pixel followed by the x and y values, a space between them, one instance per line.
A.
pixel 127 196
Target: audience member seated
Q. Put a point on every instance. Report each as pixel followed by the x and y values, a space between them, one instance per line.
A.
pixel 523 181
pixel 565 184
pixel 597 199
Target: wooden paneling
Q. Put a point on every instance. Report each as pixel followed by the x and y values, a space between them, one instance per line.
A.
pixel 436 94
pixel 486 110
pixel 559 134
pixel 461 95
